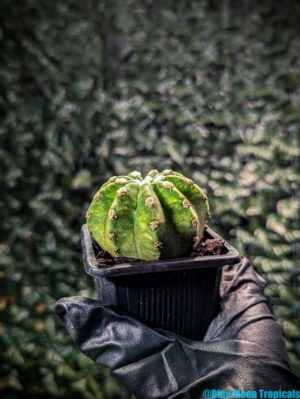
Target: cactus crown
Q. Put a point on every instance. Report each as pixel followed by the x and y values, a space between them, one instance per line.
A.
pixel 160 216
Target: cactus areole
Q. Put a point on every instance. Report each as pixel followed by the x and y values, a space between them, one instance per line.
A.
pixel 160 216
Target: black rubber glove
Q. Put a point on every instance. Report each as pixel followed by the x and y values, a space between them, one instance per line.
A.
pixel 243 348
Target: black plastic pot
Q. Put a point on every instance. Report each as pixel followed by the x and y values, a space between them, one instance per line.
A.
pixel 179 295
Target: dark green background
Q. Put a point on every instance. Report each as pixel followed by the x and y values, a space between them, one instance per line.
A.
pixel 89 89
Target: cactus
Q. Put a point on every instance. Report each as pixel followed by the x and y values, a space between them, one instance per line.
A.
pixel 160 216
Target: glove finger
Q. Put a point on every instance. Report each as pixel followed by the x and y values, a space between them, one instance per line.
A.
pixel 133 351
pixel 241 277
pixel 108 336
pixel 241 288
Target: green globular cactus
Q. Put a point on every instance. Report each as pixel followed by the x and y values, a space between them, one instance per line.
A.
pixel 160 216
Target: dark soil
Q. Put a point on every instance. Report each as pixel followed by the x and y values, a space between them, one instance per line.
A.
pixel 208 247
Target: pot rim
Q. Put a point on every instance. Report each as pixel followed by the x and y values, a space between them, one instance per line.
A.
pixel 97 269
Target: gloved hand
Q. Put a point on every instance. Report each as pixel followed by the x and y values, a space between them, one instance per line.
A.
pixel 243 347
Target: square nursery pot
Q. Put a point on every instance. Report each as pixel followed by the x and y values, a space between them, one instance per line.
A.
pixel 180 295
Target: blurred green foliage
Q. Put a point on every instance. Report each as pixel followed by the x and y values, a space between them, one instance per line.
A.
pixel 96 88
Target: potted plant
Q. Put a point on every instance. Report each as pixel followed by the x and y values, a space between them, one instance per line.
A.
pixel 147 245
